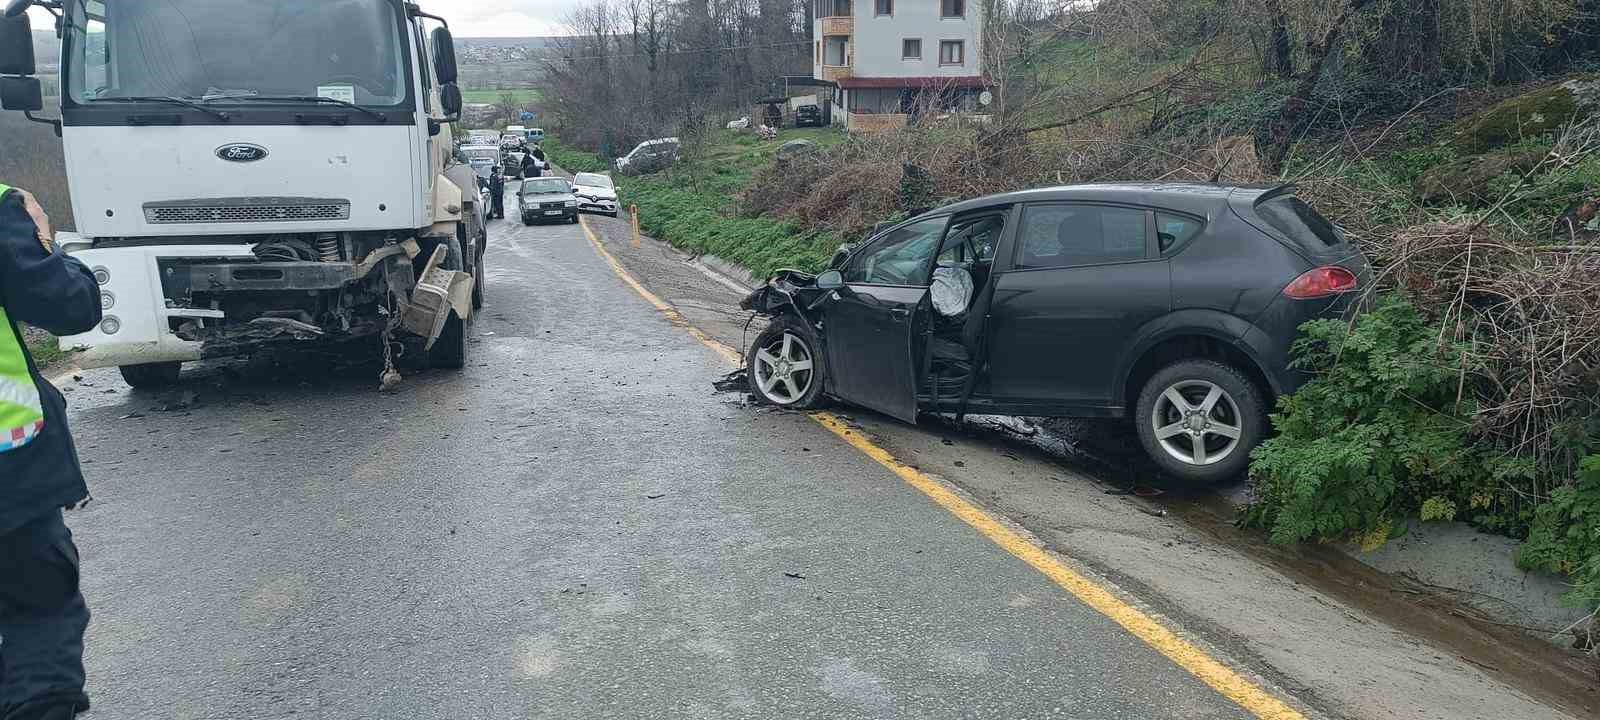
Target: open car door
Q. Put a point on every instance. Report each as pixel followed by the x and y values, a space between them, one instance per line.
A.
pixel 873 322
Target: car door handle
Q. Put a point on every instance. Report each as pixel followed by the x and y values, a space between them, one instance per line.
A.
pixel 900 312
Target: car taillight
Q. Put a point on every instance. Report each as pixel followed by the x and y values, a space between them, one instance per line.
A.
pixel 1321 282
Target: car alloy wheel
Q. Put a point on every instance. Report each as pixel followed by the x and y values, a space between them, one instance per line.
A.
pixel 1196 422
pixel 784 369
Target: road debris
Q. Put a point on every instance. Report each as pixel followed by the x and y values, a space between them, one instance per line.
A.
pixel 794 575
pixel 655 497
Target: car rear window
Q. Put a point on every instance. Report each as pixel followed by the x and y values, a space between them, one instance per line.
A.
pixel 1299 222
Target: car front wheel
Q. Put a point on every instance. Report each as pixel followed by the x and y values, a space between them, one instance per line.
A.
pixel 784 367
pixel 1199 420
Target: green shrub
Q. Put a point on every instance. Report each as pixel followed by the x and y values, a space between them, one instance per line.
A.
pixel 572 159
pixel 1565 537
pixel 1374 437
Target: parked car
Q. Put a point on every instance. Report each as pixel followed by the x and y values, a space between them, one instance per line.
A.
pixel 485 162
pixel 595 192
pixel 546 198
pixel 1174 305
pixel 536 135
pixel 649 156
pixel 808 116
pixel 740 124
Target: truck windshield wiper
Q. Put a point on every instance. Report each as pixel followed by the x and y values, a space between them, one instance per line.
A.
pixel 304 99
pixel 218 114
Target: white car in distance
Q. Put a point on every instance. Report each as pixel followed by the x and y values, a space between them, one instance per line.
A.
pixel 595 193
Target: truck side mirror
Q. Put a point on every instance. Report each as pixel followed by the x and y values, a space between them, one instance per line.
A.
pixel 450 100
pixel 16 7
pixel 16 43
pixel 444 56
pixel 21 93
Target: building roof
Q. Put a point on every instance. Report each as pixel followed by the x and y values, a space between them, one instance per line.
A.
pixel 868 83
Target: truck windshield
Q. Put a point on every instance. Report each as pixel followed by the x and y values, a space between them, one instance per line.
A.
pixel 346 50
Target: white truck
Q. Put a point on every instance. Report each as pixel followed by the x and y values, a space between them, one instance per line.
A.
pixel 252 174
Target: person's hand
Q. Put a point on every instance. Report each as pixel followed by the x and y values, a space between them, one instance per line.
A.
pixel 41 220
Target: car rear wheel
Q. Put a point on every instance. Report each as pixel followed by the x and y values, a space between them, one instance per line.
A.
pixel 1199 420
pixel 783 366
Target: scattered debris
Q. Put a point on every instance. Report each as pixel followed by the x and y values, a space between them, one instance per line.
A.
pixel 736 381
pixel 655 497
pixel 796 576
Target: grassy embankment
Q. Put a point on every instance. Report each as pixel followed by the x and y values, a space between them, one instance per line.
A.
pixel 693 204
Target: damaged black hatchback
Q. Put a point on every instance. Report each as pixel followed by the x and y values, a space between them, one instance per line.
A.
pixel 1171 304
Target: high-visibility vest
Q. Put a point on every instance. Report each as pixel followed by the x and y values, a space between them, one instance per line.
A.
pixel 21 413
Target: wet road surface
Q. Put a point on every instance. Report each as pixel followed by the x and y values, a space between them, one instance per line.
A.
pixel 574 526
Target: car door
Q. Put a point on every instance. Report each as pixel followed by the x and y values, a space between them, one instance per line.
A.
pixel 871 322
pixel 1084 279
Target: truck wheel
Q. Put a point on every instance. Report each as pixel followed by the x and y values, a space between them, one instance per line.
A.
pixel 449 352
pixel 477 284
pixel 151 375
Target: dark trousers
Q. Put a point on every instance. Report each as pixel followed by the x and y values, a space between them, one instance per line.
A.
pixel 42 619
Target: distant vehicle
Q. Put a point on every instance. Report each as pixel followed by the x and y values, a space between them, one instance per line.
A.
pixel 535 135
pixel 595 192
pixel 517 130
pixel 740 124
pixel 1197 293
pixel 649 156
pixel 485 162
pixel 546 198
pixel 808 116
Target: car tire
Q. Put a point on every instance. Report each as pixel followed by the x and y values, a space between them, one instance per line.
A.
pixel 801 392
pixel 573 219
pixel 527 220
pixel 150 376
pixel 1233 424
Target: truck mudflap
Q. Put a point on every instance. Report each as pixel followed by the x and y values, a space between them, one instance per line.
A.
pixel 437 293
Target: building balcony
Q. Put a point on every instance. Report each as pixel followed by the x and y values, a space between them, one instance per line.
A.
pixel 838 25
pixel 835 73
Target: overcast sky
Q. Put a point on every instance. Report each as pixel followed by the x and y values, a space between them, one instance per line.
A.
pixel 473 18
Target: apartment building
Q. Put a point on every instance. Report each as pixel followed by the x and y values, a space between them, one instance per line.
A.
pixel 895 59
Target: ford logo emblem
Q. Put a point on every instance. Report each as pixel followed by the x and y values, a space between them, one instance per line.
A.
pixel 241 152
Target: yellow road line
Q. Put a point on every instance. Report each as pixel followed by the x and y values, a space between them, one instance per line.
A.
pixel 1246 694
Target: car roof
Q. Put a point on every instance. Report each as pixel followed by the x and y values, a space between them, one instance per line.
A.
pixel 1193 198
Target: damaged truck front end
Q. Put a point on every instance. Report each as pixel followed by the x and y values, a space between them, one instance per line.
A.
pixel 270 292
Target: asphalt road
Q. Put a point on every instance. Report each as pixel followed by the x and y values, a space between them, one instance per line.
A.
pixel 574 526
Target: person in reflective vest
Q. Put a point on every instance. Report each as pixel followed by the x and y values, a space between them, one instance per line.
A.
pixel 42 613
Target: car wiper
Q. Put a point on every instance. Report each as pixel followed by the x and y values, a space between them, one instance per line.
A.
pixel 305 99
pixel 218 114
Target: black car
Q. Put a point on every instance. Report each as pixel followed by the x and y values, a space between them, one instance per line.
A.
pixel 1172 304
pixel 808 116
pixel 543 199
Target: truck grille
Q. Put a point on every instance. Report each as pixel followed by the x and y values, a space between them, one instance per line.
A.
pixel 245 210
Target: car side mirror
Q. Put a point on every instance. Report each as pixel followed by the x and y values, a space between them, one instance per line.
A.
pixel 830 280
pixel 16 41
pixel 444 56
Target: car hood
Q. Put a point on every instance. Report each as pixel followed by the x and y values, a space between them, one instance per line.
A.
pixel 548 197
pixel 595 191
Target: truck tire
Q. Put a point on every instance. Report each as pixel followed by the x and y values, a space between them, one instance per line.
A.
pixel 477 284
pixel 449 352
pixel 151 375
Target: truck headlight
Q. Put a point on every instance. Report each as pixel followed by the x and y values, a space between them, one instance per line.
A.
pixel 107 300
pixel 102 275
pixel 110 325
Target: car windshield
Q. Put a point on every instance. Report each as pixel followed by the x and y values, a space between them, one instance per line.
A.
pixel 591 180
pixel 545 186
pixel 341 49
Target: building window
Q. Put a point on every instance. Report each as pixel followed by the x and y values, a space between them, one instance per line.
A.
pixel 836 51
pixel 884 7
pixel 833 8
pixel 952 52
pixel 911 49
pixel 819 52
pixel 952 8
